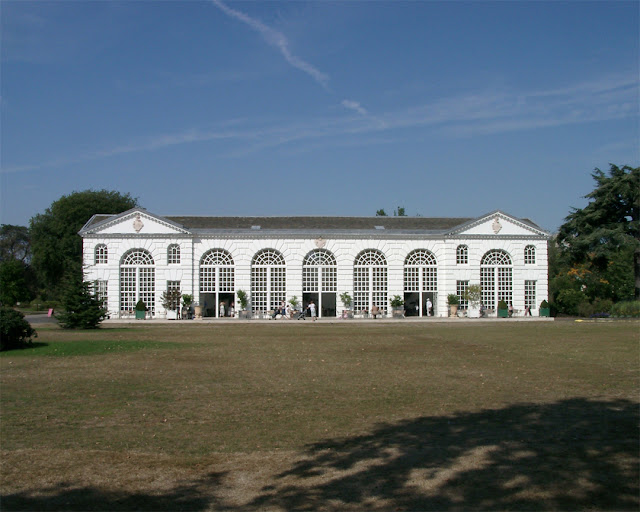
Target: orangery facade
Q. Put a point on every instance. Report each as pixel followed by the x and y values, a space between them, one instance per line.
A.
pixel 138 255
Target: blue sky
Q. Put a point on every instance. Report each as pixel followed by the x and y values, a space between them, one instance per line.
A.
pixel 318 108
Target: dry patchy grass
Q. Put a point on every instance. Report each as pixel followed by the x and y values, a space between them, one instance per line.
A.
pixel 335 417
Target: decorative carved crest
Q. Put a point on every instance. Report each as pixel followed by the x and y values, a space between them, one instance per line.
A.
pixel 496 225
pixel 138 224
pixel 320 243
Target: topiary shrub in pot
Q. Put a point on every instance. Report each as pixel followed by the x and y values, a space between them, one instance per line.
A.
pixel 503 309
pixel 544 309
pixel 141 310
pixel 454 301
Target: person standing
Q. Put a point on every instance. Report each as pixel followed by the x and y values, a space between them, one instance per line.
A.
pixel 429 307
pixel 312 310
pixel 221 309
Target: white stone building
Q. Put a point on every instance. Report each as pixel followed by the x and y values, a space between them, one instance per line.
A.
pixel 138 255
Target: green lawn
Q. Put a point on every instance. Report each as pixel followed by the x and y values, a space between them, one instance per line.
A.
pixel 345 416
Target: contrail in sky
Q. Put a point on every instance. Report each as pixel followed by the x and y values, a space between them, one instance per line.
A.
pixel 277 39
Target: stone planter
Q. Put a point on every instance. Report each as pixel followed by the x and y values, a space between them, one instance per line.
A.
pixel 503 313
pixel 397 312
pixel 473 311
pixel 172 314
pixel 453 310
pixel 545 312
pixel 198 312
pixel 140 315
pixel 244 314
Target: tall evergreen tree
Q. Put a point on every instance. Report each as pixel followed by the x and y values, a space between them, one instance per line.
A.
pixel 81 309
pixel 606 232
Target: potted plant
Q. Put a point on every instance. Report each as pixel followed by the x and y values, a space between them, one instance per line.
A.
pixel 347 300
pixel 454 301
pixel 545 310
pixel 473 296
pixel 243 299
pixel 503 309
pixel 141 310
pixel 294 303
pixel 170 302
pixel 187 300
pixel 397 306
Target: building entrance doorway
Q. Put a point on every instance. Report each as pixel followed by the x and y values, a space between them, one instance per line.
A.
pixel 210 303
pixel 411 304
pixel 325 303
pixel 426 297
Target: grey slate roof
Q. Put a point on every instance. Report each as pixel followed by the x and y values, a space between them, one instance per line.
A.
pixel 310 224
pixel 319 223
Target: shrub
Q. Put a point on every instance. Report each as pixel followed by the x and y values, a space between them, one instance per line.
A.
pixel 585 309
pixel 243 298
pixel 568 301
pixel 453 299
pixel 140 306
pixel 626 309
pixel 502 305
pixel 397 302
pixel 15 331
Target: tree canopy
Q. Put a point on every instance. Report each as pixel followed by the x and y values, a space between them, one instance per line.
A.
pixel 15 243
pixel 55 243
pixel 599 245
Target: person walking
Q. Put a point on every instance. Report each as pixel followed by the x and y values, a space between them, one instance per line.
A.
pixel 312 310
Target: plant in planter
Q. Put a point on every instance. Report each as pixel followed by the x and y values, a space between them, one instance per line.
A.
pixel 171 301
pixel 545 310
pixel 503 309
pixel 294 303
pixel 473 296
pixel 347 301
pixel 397 306
pixel 141 310
pixel 243 299
pixel 187 300
pixel 454 301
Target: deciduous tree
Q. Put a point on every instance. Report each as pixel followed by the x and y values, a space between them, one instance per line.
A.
pixel 56 245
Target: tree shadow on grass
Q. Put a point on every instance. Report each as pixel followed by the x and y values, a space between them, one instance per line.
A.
pixel 195 496
pixel 571 455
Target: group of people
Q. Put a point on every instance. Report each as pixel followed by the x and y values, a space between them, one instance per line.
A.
pixel 227 311
pixel 286 311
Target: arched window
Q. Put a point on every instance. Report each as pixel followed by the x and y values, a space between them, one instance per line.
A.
pixel 320 280
pixel 530 255
pixel 496 281
pixel 420 278
pixel 319 272
pixel 173 254
pixel 370 281
pixel 268 280
pixel 137 280
pixel 217 277
pixel 462 255
pixel 216 272
pixel 101 254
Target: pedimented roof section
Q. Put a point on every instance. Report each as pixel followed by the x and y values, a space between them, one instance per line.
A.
pixel 498 223
pixel 136 221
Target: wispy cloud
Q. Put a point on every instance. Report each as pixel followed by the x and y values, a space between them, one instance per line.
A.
pixel 474 114
pixel 277 40
pixel 355 106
